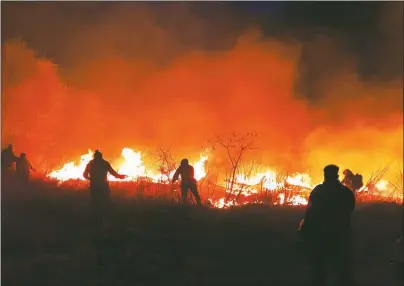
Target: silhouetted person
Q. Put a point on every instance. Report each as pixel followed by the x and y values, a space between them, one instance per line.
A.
pixel 8 157
pixel 326 229
pixel 96 171
pixel 23 168
pixel 353 182
pixel 188 181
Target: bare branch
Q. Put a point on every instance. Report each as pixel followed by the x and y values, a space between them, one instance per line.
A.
pixel 165 162
pixel 235 146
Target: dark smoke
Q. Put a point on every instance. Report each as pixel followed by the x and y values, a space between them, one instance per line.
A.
pixel 143 75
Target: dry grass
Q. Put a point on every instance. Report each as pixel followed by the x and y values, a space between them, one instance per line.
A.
pixel 370 192
pixel 143 189
pixel 48 239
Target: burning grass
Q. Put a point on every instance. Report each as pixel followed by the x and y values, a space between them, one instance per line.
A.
pixel 247 183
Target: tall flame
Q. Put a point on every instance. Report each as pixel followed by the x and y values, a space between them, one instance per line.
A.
pixel 131 165
pixel 71 171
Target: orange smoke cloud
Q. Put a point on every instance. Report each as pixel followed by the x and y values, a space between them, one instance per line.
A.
pixel 112 101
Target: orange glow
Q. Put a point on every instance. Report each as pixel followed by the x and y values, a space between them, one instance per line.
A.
pixel 110 101
pixel 132 166
pixel 290 190
pixel 294 200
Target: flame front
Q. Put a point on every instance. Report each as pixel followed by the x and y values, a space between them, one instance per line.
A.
pixel 293 200
pixel 131 165
pixel 289 190
pixel 71 171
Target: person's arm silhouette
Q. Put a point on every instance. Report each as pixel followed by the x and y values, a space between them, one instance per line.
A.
pixel 115 173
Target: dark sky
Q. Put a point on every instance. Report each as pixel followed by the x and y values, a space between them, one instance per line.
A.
pixel 361 28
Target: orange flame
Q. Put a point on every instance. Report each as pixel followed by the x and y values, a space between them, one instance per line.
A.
pixel 131 165
pixel 244 186
pixel 71 171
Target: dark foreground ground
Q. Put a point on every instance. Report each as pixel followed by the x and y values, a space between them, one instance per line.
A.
pixel 48 239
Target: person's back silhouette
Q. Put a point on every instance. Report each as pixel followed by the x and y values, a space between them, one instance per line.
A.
pixel 97 173
pixel 8 157
pixel 188 181
pixel 326 228
pixel 23 168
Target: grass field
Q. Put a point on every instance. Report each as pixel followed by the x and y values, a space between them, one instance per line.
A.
pixel 48 239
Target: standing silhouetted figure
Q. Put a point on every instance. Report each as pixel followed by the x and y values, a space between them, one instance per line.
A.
pixel 23 168
pixel 326 229
pixel 8 157
pixel 188 181
pixel 96 171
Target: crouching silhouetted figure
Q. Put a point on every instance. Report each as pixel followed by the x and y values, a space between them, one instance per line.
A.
pixel 326 229
pixel 352 181
pixel 97 173
pixel 188 181
pixel 23 168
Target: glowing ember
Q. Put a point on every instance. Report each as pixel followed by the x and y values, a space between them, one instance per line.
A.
pixel 222 204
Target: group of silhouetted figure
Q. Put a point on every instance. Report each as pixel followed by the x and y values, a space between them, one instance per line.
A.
pixel 325 228
pixel 97 171
pixel 23 167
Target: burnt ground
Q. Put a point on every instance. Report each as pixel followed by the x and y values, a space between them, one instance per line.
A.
pixel 48 239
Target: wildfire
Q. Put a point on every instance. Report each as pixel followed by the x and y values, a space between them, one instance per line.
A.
pixel 269 181
pixel 287 190
pixel 222 204
pixel 71 171
pixel 131 165
pixel 384 189
pixel 293 200
pixel 382 185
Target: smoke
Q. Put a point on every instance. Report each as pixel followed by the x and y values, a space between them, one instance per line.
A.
pixel 165 76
